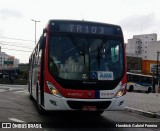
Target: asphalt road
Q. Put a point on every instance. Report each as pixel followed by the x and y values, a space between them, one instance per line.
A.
pixel 15 106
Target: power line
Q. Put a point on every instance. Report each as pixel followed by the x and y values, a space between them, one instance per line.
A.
pixel 17 50
pixel 15 46
pixel 16 39
pixel 22 54
pixel 17 43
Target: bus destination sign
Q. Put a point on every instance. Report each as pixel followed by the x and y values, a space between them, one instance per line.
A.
pixel 85 28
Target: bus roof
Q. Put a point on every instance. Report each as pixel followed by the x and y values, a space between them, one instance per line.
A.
pixel 84 27
pixel 130 73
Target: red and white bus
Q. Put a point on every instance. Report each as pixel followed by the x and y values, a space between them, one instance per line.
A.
pixel 78 65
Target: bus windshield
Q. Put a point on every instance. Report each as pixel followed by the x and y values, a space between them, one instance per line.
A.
pixel 85 58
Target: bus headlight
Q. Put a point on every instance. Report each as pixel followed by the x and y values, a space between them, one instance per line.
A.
pixel 121 91
pixel 53 89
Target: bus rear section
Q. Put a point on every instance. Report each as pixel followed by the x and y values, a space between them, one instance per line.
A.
pixel 82 66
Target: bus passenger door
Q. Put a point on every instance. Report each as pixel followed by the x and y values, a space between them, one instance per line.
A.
pixel 41 77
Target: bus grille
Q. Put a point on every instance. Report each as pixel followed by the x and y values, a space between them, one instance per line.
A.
pixel 80 104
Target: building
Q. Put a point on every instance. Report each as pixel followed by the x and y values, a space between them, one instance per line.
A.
pixel 144 47
pixel 7 61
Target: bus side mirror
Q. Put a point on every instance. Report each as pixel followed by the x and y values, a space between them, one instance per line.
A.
pixel 42 42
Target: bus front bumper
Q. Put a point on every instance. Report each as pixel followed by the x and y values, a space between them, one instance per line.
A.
pixel 55 103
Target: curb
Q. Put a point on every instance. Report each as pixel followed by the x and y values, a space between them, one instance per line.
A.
pixel 144 113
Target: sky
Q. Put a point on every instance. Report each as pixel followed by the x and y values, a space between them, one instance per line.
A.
pixel 17 31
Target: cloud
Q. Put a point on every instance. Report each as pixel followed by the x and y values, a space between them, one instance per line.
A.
pixel 5 14
pixel 134 23
pixel 1 31
pixel 140 24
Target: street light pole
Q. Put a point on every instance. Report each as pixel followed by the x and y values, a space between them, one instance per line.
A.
pixel 35 28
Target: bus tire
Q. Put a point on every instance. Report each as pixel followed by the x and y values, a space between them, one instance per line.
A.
pixel 149 90
pixel 28 87
pixel 31 97
pixel 41 111
pixel 130 88
pixel 97 113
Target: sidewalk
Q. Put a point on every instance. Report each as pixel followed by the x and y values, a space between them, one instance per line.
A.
pixel 143 103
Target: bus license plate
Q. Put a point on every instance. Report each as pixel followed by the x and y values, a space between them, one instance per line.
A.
pixel 89 108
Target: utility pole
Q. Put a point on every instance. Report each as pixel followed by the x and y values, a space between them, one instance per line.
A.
pixel 35 27
pixel 157 72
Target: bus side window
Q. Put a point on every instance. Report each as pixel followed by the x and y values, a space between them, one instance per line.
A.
pixel 140 80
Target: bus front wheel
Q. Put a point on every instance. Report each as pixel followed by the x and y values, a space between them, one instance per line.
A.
pixel 31 97
pixel 97 113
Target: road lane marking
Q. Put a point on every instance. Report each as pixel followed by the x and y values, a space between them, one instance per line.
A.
pixel 12 89
pixel 16 120
pixel 25 91
pixel 2 90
